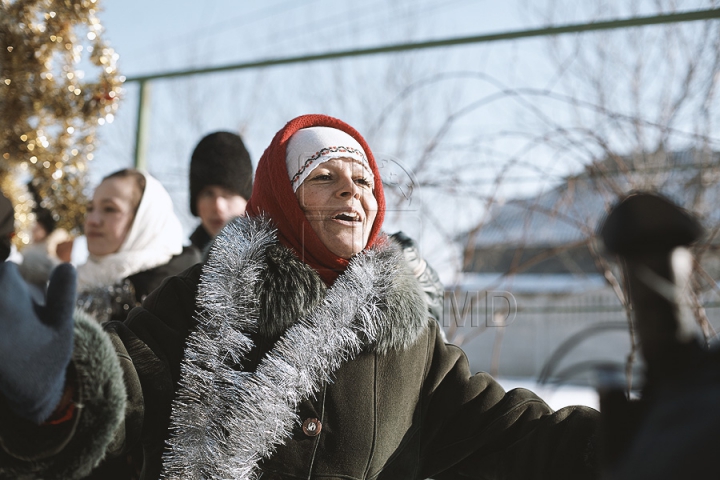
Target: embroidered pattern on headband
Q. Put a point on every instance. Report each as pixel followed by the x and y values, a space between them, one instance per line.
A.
pixel 322 153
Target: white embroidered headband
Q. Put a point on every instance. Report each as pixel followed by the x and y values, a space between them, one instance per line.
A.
pixel 310 147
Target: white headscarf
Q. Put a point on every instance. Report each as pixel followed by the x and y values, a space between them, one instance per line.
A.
pixel 154 237
pixel 313 146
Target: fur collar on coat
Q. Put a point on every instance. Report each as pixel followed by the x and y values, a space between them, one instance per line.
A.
pixel 226 420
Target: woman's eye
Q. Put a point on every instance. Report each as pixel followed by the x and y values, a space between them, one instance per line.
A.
pixel 364 182
pixel 323 176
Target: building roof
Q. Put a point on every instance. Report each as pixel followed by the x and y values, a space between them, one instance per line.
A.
pixel 571 211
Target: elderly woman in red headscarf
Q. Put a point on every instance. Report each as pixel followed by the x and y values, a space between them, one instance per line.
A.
pixel 301 349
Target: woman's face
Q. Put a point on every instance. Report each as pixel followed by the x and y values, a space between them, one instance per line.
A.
pixel 110 215
pixel 338 201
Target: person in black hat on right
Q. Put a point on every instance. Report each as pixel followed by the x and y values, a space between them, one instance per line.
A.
pixel 221 179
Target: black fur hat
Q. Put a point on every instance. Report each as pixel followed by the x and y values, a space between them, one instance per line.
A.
pixel 220 158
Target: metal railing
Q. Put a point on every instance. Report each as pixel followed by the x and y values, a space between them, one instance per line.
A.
pixel 144 80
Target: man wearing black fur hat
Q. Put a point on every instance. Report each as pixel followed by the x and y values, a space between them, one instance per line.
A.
pixel 221 178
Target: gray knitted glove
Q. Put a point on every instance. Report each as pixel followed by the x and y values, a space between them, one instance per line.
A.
pixel 36 341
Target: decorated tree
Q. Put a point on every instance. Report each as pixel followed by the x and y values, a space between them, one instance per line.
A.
pixel 58 83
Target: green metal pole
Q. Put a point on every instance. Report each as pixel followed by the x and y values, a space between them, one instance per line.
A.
pixel 144 80
pixel 143 117
pixel 539 32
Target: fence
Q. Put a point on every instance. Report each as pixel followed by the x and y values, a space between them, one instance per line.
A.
pixel 593 325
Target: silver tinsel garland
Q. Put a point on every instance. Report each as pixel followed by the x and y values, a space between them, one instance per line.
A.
pixel 225 421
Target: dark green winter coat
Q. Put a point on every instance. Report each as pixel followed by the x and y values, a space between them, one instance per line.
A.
pixel 271 373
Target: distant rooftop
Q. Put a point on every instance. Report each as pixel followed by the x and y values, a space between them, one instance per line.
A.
pixel 571 211
pixel 532 283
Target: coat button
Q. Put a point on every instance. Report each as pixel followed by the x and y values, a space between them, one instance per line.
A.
pixel 312 427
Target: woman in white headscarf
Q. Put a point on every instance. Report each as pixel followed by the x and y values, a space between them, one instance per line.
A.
pixel 134 239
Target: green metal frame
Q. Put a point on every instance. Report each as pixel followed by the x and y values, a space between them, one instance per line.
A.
pixel 143 124
pixel 144 80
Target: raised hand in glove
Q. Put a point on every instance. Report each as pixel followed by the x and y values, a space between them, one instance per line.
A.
pixel 35 341
pixel 425 274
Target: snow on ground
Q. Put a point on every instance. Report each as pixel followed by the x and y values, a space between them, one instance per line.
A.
pixel 557 396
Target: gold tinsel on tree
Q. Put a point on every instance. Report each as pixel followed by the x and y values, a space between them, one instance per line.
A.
pixel 58 82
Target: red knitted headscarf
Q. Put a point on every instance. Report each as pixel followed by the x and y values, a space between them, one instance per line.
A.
pixel 273 197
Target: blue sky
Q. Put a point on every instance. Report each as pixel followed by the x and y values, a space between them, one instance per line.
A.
pixel 164 35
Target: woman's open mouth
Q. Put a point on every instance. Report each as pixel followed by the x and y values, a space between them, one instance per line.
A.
pixel 350 218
